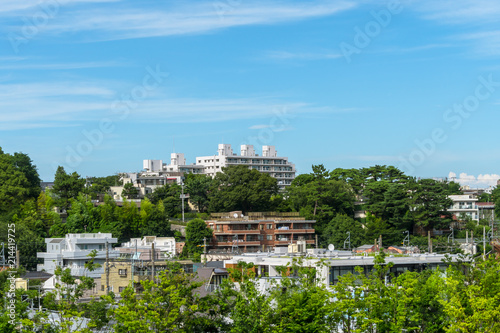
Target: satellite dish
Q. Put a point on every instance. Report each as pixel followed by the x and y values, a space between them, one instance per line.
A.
pixel 331 247
pixel 235 215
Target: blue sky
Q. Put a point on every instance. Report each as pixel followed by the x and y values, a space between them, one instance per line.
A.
pixel 97 86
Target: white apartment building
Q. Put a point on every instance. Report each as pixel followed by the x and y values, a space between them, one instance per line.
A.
pixel 269 162
pixel 140 248
pixel 72 252
pixel 464 204
pixel 156 172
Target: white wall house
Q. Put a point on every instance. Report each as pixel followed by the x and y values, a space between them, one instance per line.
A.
pixel 464 204
pixel 140 248
pixel 72 252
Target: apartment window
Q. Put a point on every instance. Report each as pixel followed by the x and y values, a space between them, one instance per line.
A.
pixel 219 227
pixel 269 237
pixel 261 226
pixel 122 272
pixel 269 226
pixel 102 287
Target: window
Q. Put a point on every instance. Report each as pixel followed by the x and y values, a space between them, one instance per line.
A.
pixel 261 226
pixel 122 272
pixel 120 289
pixel 102 287
pixel 269 237
pixel 269 226
pixel 219 227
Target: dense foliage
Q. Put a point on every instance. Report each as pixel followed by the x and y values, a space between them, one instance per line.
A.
pixel 464 298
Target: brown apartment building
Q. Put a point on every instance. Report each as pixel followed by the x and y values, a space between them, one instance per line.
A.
pixel 257 231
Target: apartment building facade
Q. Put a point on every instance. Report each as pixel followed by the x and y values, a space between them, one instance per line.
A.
pixel 73 251
pixel 234 232
pixel 155 171
pixel 269 162
pixel 464 205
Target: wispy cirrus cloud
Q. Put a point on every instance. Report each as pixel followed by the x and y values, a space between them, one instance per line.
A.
pixel 285 55
pixel 459 11
pixel 129 20
pixel 19 65
pixel 270 126
pixel 16 6
pixel 72 103
pixel 479 16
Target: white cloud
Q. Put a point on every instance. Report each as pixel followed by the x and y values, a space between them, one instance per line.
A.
pixel 19 65
pixel 459 11
pixel 112 23
pixel 70 103
pixel 481 181
pixel 480 16
pixel 283 55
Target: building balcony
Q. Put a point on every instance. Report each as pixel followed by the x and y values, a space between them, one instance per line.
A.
pixel 84 254
pixel 294 231
pixel 237 232
pixel 241 243
pixel 49 255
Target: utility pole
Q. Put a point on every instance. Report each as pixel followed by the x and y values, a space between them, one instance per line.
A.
pixel 153 261
pixel 132 261
pixel 107 268
pixel 484 243
pixel 182 197
pixel 429 240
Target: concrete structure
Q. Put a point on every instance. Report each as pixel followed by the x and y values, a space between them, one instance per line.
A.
pixel 269 162
pixel 72 252
pixel 336 264
pixel 122 272
pixel 234 232
pixel 156 173
pixel 140 248
pixel 464 205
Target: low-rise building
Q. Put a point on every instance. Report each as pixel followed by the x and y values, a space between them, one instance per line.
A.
pixel 235 232
pixel 464 205
pixel 333 264
pixel 140 248
pixel 73 251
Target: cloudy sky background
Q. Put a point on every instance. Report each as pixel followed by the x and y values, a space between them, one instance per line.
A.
pixel 77 86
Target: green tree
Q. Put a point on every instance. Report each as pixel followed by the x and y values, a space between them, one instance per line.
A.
pixel 336 232
pixel 24 164
pixel 14 186
pixel 238 188
pixel 429 204
pixel 66 187
pixel 130 191
pixel 198 187
pixel 154 220
pixel 168 304
pixel 100 186
pixel 196 231
pixel 320 198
